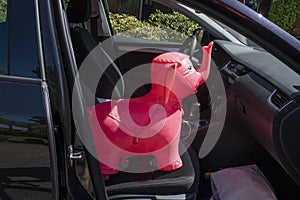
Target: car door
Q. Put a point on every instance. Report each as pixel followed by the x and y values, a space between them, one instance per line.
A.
pixel 28 167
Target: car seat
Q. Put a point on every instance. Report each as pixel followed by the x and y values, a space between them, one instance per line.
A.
pixel 78 12
pixel 179 184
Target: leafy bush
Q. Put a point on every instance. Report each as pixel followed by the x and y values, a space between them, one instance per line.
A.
pixel 3 7
pixel 284 13
pixel 171 27
pixel 174 21
pixel 125 22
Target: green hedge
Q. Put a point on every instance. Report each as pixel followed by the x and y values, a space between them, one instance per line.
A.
pixel 174 21
pixel 284 13
pixel 125 22
pixel 3 6
pixel 170 27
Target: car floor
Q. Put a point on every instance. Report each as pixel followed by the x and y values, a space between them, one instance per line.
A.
pixel 235 148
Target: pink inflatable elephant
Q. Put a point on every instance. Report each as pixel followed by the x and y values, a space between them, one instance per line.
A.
pixel 148 125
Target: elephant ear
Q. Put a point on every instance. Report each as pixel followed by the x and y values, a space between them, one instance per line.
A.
pixel 169 82
pixel 206 59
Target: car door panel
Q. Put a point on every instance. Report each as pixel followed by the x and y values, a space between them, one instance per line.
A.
pixel 24 146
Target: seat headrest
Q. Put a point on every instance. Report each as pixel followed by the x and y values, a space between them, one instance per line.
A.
pixel 79 11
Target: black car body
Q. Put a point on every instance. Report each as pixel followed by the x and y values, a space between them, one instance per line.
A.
pixel 42 156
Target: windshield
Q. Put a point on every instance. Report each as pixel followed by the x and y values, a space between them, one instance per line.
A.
pixel 246 41
pixel 216 26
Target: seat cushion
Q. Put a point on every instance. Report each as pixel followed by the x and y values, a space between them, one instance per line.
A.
pixel 181 181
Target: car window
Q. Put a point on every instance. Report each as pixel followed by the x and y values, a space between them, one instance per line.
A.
pixel 3 37
pixel 24 147
pixel 25 168
pixel 18 35
pixel 3 9
pixel 153 22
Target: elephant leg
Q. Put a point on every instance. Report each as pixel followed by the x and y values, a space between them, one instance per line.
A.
pixel 108 170
pixel 168 158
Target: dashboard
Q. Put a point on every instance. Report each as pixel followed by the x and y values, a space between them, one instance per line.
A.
pixel 263 95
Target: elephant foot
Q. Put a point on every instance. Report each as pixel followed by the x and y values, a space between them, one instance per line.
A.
pixel 175 165
pixel 107 170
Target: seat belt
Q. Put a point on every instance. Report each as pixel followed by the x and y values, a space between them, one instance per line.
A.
pixel 95 19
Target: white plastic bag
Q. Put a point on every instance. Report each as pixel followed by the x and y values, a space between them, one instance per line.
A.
pixel 241 183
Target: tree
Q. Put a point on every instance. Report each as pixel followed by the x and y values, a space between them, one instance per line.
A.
pixel 284 13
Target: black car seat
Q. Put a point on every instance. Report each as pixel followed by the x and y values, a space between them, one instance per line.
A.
pixel 179 184
pixel 78 12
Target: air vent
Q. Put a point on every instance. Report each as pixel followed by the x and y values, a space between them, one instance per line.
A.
pixel 238 69
pixel 279 99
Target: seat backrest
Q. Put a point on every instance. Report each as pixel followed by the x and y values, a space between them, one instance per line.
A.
pixel 78 12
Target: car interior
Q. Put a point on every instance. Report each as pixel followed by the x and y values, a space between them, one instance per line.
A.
pixel 258 105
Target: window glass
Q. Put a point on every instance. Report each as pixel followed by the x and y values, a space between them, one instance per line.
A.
pixel 153 22
pixel 3 37
pixel 127 7
pixel 18 34
pixel 25 171
pixel 3 9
